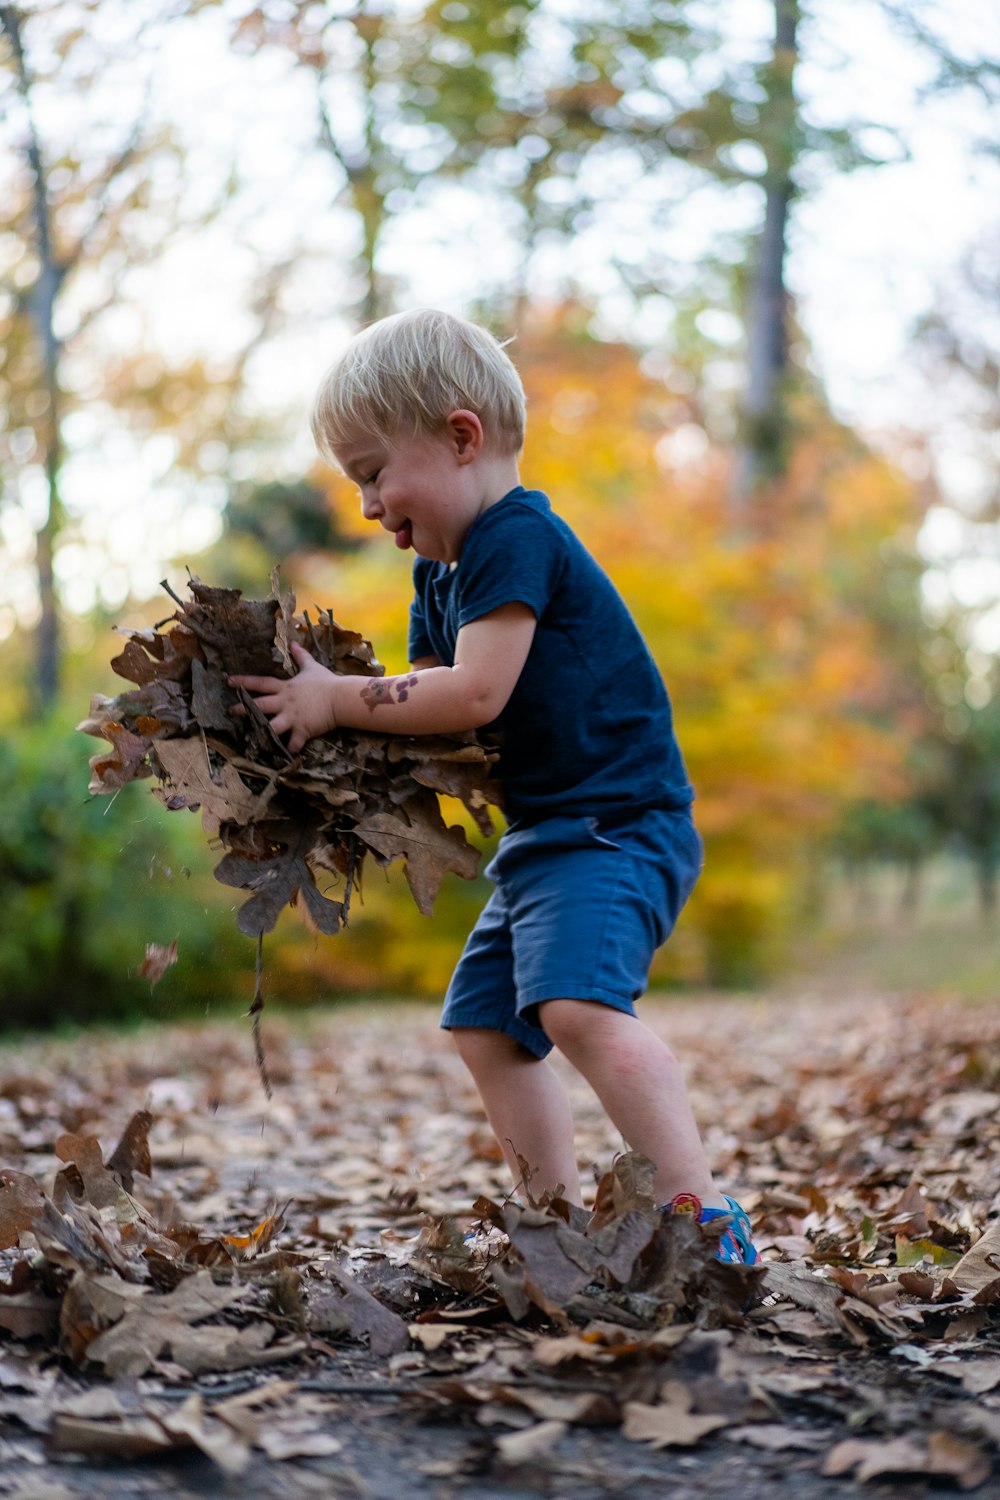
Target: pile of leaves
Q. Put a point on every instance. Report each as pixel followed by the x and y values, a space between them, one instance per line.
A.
pixel 862 1138
pixel 282 819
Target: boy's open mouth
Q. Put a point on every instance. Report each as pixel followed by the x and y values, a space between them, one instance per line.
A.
pixel 404 536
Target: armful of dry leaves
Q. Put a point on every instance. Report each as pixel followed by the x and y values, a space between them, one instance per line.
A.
pixel 282 819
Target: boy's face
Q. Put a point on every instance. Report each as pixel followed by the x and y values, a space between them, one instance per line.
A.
pixel 421 489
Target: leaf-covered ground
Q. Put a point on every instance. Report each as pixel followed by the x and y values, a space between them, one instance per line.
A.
pixel 202 1292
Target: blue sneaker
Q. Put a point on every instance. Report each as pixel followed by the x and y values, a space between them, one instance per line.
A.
pixel 736 1246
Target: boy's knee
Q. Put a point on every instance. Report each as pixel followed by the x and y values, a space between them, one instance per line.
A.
pixel 572 1024
pixel 482 1045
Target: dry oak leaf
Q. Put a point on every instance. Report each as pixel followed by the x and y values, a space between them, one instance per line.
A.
pixel 944 1454
pixel 429 848
pixel 21 1200
pixel 346 1307
pixel 137 1436
pixel 276 881
pixel 29 1315
pixel 128 761
pixel 223 797
pixel 980 1265
pixel 149 1326
pixel 671 1423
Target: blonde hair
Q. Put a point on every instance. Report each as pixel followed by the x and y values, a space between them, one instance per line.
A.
pixel 407 373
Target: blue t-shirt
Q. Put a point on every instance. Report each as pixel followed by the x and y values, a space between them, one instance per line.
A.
pixel 588 727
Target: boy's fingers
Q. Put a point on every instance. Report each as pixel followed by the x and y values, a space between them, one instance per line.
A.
pixel 256 684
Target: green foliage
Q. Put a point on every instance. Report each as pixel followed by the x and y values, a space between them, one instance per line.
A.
pixel 84 886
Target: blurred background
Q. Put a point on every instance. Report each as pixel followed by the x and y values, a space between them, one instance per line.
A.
pixel 748 255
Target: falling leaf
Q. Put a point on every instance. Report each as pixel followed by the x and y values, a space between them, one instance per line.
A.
pixel 250 1245
pixel 159 958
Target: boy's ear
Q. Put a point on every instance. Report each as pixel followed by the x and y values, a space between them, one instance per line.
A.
pixel 465 431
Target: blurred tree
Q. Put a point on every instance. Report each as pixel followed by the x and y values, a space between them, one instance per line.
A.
pixel 278 521
pixel 965 799
pixel 961 785
pixel 394 88
pixel 90 195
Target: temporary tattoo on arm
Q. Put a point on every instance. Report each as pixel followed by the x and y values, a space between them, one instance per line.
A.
pixel 387 690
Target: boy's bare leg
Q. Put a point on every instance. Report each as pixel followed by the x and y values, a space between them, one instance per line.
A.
pixel 526 1106
pixel 639 1081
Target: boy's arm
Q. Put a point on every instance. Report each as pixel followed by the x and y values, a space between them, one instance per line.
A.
pixel 489 656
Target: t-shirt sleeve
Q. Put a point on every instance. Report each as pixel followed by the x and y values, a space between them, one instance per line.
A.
pixel 419 643
pixel 518 559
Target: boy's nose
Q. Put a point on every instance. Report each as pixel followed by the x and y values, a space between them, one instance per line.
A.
pixel 371 507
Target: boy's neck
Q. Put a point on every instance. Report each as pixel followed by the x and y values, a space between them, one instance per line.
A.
pixel 499 476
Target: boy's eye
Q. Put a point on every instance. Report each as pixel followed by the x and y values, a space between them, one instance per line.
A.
pixel 372 477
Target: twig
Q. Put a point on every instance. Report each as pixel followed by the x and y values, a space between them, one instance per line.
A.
pixel 175 597
pixel 352 854
pixel 255 1011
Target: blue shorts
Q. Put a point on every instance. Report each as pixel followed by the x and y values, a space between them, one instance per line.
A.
pixel 581 904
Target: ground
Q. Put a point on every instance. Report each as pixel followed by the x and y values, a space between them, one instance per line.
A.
pixel 281 1297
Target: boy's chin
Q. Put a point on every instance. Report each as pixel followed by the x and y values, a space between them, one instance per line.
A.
pixel 435 556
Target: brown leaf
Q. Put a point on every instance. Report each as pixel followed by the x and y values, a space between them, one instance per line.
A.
pixel 128 761
pixel 236 634
pixel 981 1265
pixel 976 1375
pixel 671 1424
pixel 222 795
pixel 429 848
pixel 871 1458
pixel 148 1326
pixel 131 1154
pixel 30 1315
pixel 277 880
pixel 967 1464
pixel 581 1408
pixel 128 1437
pixel 21 1199
pixel 159 958
pixel 282 818
pixel 84 1151
pixel 532 1445
pixel 347 1307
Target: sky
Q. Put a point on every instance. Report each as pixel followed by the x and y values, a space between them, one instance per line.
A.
pixel 869 253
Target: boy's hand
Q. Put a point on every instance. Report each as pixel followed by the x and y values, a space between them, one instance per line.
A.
pixel 303 706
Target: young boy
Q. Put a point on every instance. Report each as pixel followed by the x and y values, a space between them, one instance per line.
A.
pixel 515 630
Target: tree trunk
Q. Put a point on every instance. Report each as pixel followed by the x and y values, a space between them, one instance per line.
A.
pixel 40 304
pixel 760 450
